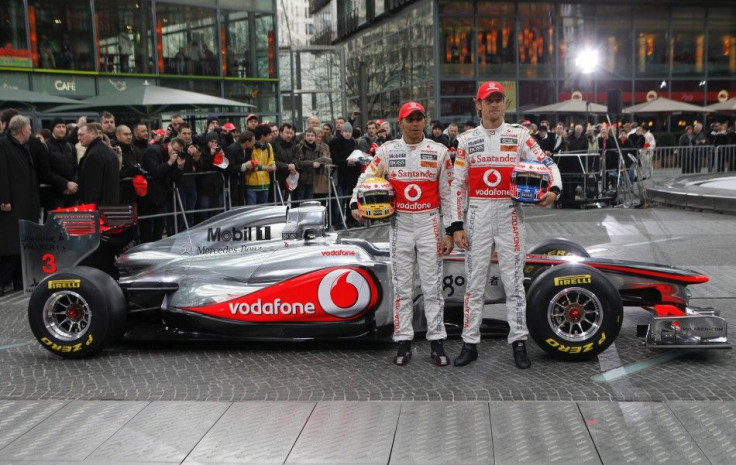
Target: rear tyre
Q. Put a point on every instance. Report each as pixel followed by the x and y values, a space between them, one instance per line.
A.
pixel 573 312
pixel 77 312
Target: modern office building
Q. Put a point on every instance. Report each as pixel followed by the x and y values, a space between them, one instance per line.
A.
pixel 437 51
pixel 226 48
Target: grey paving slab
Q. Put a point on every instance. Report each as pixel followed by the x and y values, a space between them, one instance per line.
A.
pixel 347 433
pixel 712 425
pixel 253 433
pixel 540 432
pixel 161 432
pixel 640 432
pixel 443 433
pixel 72 432
pixel 19 416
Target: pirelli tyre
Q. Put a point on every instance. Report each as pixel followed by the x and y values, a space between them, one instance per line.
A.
pixel 554 246
pixel 77 312
pixel 560 247
pixel 573 312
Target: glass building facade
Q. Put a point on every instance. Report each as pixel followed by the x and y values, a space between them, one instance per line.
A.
pixel 225 48
pixel 437 51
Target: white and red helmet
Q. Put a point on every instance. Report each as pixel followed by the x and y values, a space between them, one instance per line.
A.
pixel 530 181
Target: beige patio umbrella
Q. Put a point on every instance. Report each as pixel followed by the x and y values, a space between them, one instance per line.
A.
pixel 664 105
pixel 729 106
pixel 570 106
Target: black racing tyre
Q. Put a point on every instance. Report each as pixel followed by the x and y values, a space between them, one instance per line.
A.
pixel 77 312
pixel 559 246
pixel 573 312
pixel 553 246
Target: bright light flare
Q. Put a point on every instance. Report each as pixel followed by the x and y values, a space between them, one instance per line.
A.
pixel 587 60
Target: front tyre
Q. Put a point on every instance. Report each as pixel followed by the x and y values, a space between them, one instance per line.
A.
pixel 77 312
pixel 573 312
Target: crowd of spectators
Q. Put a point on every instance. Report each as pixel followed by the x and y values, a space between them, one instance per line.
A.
pixel 106 163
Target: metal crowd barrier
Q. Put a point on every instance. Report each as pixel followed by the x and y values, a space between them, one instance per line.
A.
pixel 670 162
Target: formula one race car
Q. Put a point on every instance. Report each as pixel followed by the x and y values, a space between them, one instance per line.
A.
pixel 274 273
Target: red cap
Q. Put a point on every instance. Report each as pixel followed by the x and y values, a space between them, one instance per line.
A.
pixel 159 132
pixel 379 122
pixel 410 107
pixel 228 126
pixel 526 121
pixel 140 185
pixel 487 88
pixel 251 116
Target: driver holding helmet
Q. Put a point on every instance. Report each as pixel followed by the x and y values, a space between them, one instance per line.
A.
pixel 420 171
pixel 484 162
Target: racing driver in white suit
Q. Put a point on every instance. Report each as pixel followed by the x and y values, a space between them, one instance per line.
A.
pixel 485 158
pixel 420 172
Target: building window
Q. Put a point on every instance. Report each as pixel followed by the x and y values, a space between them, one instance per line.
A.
pixel 265 46
pixel 187 40
pixel 61 35
pixel 721 42
pixel 238 53
pixel 614 45
pixel 125 36
pixel 650 35
pixel 14 51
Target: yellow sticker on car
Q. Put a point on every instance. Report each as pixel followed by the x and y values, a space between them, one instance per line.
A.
pixel 574 279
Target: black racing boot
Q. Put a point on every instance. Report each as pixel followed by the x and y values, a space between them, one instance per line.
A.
pixel 438 353
pixel 403 353
pixel 520 357
pixel 468 353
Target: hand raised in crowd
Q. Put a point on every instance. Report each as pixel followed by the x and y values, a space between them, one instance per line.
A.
pixel 316 164
pixel 194 151
pixel 172 157
pixel 6 207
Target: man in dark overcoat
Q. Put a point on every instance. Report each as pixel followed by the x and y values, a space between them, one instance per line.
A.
pixel 19 198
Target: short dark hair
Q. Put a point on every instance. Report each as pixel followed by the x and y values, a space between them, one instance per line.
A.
pixel 285 125
pixel 246 136
pixel 107 115
pixel 262 130
pixel 7 115
pixel 185 125
pixel 178 140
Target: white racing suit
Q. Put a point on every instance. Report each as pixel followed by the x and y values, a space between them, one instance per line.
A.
pixel 484 161
pixel 420 175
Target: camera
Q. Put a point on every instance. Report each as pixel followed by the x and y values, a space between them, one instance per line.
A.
pixel 182 154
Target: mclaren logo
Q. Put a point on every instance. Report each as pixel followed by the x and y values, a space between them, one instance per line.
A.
pixel 575 279
pixel 65 284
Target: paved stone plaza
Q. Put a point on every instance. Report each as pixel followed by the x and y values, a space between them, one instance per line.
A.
pixel 345 402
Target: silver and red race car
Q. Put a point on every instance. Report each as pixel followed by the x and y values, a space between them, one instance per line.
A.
pixel 274 273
